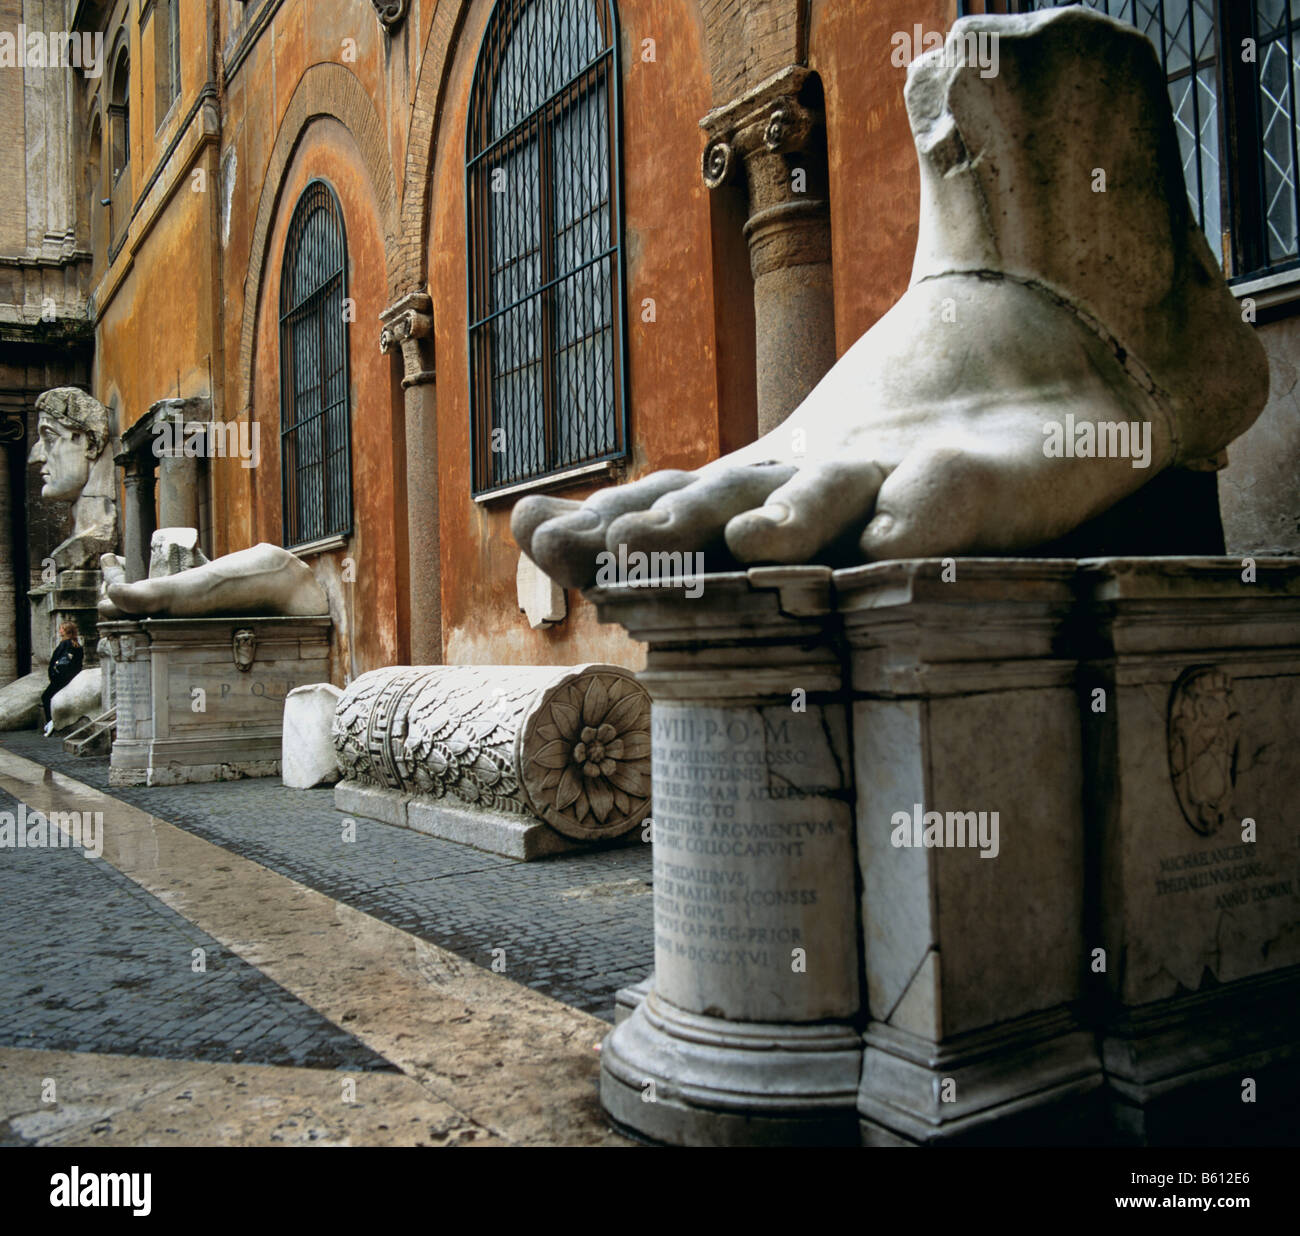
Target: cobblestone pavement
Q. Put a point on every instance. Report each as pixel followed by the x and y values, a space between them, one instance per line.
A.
pixel 91 962
pixel 311 1019
pixel 576 927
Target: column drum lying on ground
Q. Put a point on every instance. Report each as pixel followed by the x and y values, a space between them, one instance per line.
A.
pixel 520 760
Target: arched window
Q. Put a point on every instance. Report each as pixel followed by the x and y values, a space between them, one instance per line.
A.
pixel 315 423
pixel 544 223
pixel 119 110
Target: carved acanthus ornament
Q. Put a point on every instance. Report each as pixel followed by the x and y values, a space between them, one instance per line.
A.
pixel 408 324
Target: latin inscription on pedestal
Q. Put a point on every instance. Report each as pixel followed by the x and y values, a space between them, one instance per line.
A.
pixel 754 884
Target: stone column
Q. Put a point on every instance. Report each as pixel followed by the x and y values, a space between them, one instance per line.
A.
pixel 139 521
pixel 407 326
pixel 776 133
pixel 747 1033
pixel 968 763
pixel 8 594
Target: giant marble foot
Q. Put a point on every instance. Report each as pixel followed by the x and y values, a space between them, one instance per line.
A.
pixel 263 579
pixel 1065 337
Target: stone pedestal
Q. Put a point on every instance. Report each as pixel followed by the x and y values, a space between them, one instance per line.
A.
pixel 747 1033
pixel 967 753
pixel 520 760
pixel 202 699
pixel 74 595
pixel 1192 715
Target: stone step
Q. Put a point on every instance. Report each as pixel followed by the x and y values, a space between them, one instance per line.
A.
pixel 95 737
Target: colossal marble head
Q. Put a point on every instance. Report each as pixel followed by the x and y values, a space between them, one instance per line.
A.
pixel 72 432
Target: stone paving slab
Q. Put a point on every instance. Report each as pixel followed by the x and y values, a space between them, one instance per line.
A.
pixel 509 1059
pixel 105 1100
pixel 576 927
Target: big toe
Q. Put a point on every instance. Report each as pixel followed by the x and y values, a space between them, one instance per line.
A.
pixel 935 502
pixel 693 519
pixel 566 538
pixel 807 514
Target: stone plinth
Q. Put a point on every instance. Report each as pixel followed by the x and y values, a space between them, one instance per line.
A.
pixel 746 1034
pixel 1192 714
pixel 73 595
pixel 971 844
pixel 519 760
pixel 202 699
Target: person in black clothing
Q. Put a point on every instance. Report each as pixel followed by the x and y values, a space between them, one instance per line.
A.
pixel 65 665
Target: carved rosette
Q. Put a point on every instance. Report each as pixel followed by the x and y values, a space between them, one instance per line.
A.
pixel 585 754
pixel 1204 731
pixel 569 745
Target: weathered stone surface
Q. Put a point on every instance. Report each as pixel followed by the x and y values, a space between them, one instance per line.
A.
pixel 942 430
pixel 746 1033
pixel 172 550
pixel 74 431
pixel 261 580
pixel 308 757
pixel 202 699
pixel 563 746
pixel 79 700
pixel 1192 787
pixel 20 702
pixel 970 830
pixel 541 600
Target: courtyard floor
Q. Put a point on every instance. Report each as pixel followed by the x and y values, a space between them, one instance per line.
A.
pixel 233 971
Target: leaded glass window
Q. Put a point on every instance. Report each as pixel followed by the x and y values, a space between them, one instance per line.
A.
pixel 315 421
pixel 546 329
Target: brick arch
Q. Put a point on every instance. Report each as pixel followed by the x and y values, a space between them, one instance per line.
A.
pixel 422 140
pixel 325 91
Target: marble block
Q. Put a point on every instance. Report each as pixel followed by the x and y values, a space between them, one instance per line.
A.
pixel 307 757
pixel 79 700
pixel 970 830
pixel 202 699
pixel 1192 716
pixel 745 1035
pixel 20 702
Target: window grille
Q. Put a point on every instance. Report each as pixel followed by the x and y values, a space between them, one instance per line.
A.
pixel 544 226
pixel 315 423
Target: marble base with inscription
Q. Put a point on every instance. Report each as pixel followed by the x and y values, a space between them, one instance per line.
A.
pixel 970 828
pixel 202 699
pixel 1191 707
pixel 747 1034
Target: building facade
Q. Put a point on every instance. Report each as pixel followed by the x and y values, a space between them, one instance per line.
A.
pixel 421 257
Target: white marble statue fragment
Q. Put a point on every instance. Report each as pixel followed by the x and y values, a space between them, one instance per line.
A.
pixel 73 434
pixel 261 580
pixel 1066 337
